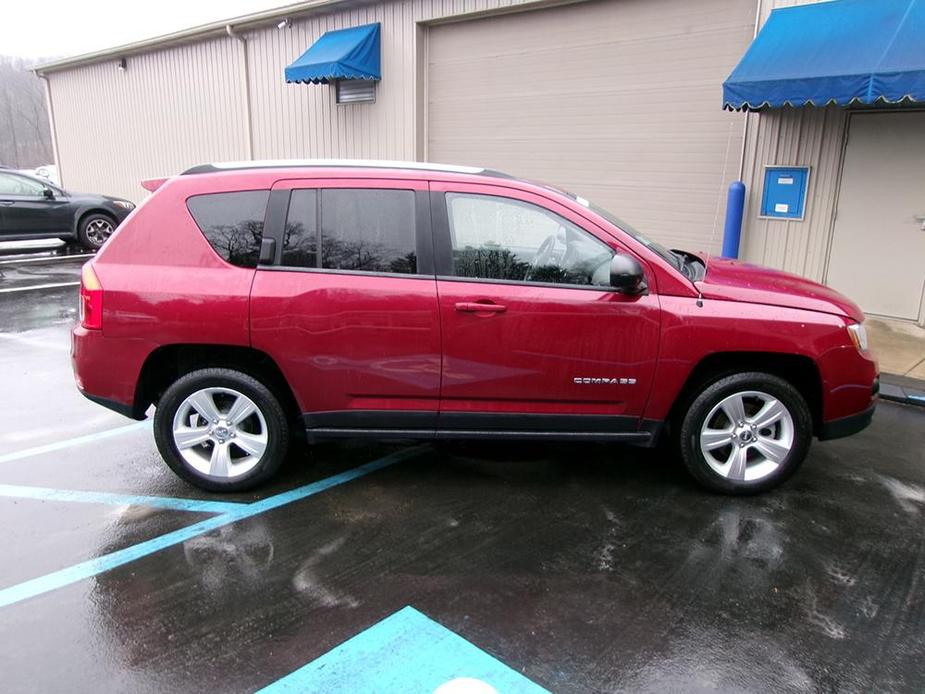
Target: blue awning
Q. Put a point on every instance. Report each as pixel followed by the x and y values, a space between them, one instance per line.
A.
pixel 346 54
pixel 841 52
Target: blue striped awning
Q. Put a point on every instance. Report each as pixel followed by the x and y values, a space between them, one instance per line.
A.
pixel 345 54
pixel 841 52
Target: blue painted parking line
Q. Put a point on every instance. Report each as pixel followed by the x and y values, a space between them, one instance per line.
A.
pixel 406 653
pixel 94 567
pixel 45 494
pixel 61 445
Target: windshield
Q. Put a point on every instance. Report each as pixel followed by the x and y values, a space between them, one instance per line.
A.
pixel 657 248
pixel 638 235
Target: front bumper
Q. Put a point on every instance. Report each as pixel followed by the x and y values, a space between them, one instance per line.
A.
pixel 846 426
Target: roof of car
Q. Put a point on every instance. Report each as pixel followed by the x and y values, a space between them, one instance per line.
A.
pixel 341 163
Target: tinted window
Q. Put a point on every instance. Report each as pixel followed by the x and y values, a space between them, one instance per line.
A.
pixel 232 223
pixel 506 239
pixel 361 229
pixel 19 185
pixel 300 240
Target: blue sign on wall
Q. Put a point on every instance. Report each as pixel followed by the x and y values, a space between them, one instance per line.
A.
pixel 784 194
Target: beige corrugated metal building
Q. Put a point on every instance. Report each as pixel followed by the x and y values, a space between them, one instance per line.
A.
pixel 577 95
pixel 617 100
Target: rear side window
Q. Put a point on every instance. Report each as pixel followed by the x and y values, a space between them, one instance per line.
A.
pixel 368 230
pixel 232 223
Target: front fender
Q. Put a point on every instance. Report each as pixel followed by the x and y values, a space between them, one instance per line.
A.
pixel 693 331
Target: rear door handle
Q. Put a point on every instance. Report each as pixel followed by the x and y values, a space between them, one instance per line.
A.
pixel 476 307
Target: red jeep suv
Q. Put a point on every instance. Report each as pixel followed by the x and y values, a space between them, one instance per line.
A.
pixel 249 302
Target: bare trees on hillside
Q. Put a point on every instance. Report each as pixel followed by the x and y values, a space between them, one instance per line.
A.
pixel 25 135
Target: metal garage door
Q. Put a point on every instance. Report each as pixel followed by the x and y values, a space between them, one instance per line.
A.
pixel 619 101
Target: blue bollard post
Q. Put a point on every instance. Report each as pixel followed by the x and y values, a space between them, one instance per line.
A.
pixel 735 207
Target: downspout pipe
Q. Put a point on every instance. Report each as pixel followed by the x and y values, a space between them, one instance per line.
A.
pixel 53 127
pixel 246 82
pixel 746 114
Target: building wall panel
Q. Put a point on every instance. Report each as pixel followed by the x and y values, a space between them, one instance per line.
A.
pixel 298 120
pixel 168 110
pixel 618 101
pixel 178 106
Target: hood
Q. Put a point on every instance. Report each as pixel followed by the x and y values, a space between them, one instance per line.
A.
pixel 733 280
pixel 92 198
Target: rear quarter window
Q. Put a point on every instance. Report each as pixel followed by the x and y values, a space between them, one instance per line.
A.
pixel 232 223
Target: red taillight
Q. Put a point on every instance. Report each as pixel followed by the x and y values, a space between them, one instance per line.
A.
pixel 91 299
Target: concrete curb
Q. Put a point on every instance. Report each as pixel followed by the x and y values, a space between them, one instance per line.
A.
pixel 910 391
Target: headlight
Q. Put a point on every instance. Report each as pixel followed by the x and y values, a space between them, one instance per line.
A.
pixel 858 336
pixel 124 204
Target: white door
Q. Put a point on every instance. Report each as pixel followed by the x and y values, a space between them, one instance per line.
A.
pixel 617 101
pixel 878 250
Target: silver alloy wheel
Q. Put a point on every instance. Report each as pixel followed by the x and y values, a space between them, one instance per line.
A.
pixel 747 436
pixel 98 230
pixel 220 432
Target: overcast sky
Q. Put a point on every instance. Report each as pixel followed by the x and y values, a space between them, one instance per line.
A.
pixel 58 28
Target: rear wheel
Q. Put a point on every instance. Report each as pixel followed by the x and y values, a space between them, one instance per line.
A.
pixel 746 433
pixel 221 430
pixel 95 229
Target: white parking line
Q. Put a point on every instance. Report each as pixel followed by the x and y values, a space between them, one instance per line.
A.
pixel 59 346
pixel 48 259
pixel 38 286
pixel 61 445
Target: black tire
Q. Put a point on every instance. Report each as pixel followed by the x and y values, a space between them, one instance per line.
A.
pixel 277 429
pixel 701 407
pixel 87 233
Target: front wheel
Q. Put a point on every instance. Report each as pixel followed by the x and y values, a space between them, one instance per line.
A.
pixel 746 433
pixel 94 230
pixel 221 430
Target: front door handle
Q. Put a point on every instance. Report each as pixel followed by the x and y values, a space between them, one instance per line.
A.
pixel 478 307
pixel 6 203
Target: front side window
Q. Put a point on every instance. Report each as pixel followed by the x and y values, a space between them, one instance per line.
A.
pixel 506 239
pixel 365 230
pixel 232 223
pixel 11 184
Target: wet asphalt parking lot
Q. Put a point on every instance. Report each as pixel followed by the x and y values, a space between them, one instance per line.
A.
pixel 580 568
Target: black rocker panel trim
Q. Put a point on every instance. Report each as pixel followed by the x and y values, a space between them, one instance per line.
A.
pixel 468 425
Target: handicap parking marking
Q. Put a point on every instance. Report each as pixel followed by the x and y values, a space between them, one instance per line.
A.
pixel 78 441
pixel 406 653
pixel 94 567
pixel 170 503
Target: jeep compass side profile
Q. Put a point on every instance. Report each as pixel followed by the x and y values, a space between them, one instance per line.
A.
pixel 251 301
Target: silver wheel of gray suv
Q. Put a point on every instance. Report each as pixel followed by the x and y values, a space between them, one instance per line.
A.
pixel 94 230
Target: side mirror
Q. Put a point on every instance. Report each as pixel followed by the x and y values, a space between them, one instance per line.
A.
pixel 626 275
pixel 48 193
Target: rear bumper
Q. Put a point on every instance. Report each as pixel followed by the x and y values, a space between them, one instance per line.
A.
pixel 846 426
pixel 115 406
pixel 106 370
